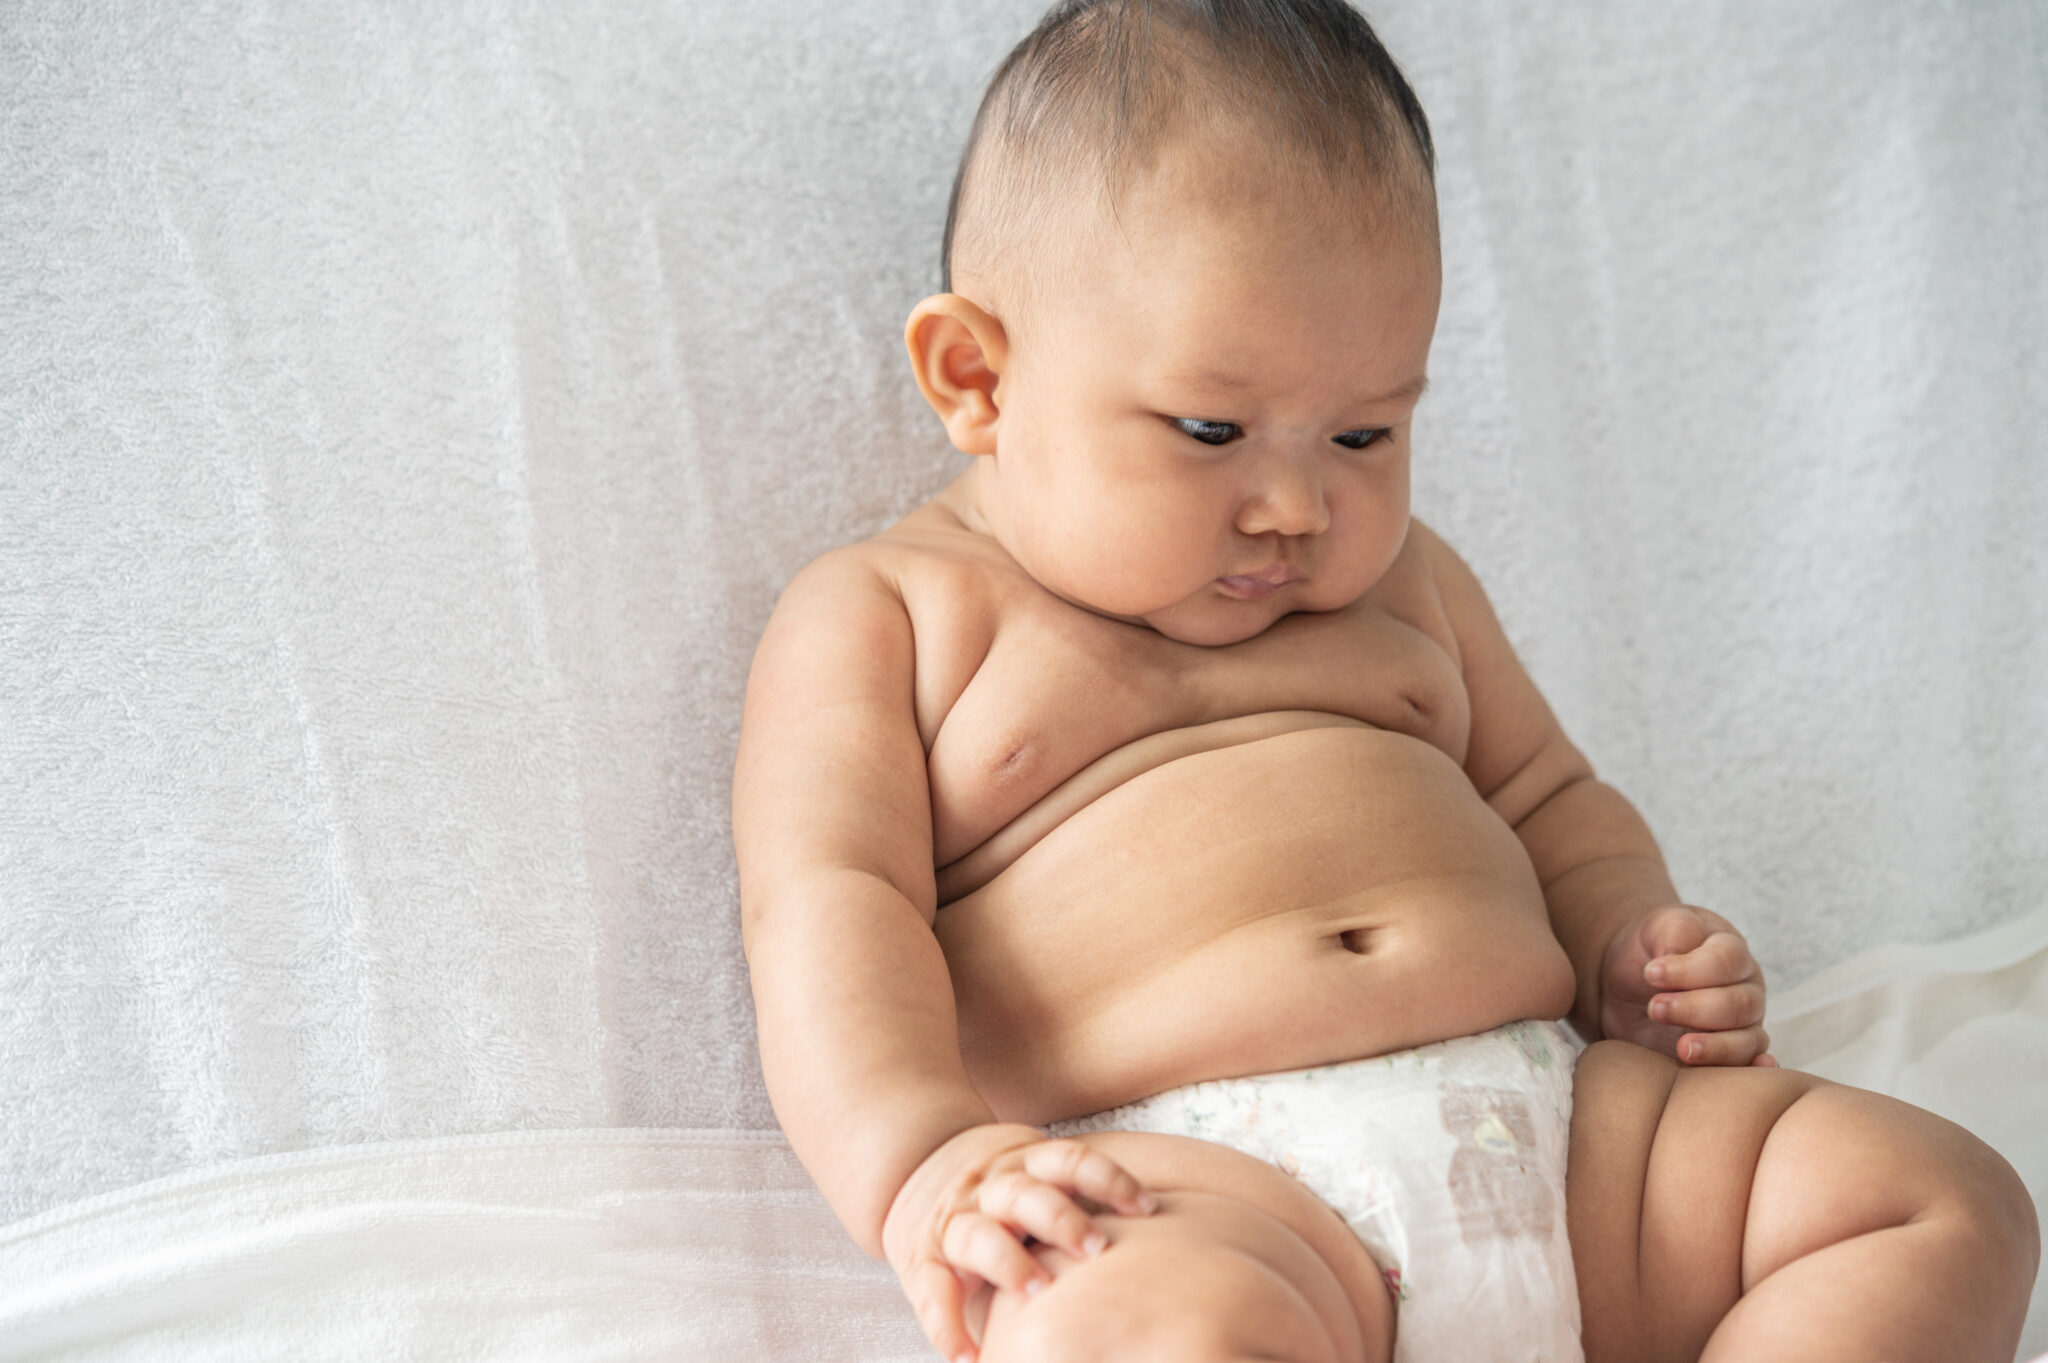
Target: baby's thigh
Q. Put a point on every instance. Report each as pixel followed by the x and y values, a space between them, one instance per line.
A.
pixel 1687 1189
pixel 1656 1193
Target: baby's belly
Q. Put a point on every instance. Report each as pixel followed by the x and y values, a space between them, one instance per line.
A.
pixel 1314 896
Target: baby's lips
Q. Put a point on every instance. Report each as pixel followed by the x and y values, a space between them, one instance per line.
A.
pixel 1272 575
pixel 1252 586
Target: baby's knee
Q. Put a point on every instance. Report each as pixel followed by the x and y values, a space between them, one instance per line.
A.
pixel 1984 1197
pixel 1160 1301
pixel 1841 1162
pixel 1988 1196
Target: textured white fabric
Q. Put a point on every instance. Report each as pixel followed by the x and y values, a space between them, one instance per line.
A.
pixel 408 414
pixel 554 1247
pixel 1447 1161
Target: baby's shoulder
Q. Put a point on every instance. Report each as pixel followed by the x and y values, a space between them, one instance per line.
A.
pixel 927 576
pixel 926 592
pixel 1444 585
pixel 898 559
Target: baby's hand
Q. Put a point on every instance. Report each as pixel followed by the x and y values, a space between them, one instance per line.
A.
pixel 1681 980
pixel 962 1218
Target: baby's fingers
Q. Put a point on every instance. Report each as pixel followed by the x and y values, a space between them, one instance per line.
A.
pixel 1739 1047
pixel 1722 959
pixel 974 1243
pixel 1038 1209
pixel 1085 1170
pixel 1711 1010
pixel 936 1296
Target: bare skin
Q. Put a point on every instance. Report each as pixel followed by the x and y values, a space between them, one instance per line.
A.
pixel 1135 759
pixel 1238 1262
pixel 1758 1214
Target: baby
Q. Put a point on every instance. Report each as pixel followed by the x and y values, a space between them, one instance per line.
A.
pixel 1163 768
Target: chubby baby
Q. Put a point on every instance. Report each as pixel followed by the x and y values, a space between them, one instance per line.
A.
pixel 1164 775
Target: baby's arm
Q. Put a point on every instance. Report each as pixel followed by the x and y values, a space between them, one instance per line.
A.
pixel 1650 969
pixel 858 1032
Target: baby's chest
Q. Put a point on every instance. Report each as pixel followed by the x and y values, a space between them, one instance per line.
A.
pixel 1059 688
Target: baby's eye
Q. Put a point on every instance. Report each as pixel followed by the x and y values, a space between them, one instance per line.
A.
pixel 1359 439
pixel 1208 432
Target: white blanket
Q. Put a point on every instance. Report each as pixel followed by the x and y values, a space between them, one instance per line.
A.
pixel 408 414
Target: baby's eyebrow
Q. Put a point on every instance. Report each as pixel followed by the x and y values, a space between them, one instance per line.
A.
pixel 1209 380
pixel 1223 380
pixel 1410 391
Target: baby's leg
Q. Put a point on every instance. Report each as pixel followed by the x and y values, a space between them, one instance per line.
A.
pixel 1239 1262
pixel 1760 1214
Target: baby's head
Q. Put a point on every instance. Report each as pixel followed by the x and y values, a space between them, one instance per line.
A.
pixel 1192 276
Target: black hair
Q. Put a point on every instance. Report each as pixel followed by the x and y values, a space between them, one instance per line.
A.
pixel 1102 79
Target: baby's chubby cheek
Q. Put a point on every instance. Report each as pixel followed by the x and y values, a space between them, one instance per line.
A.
pixel 1121 566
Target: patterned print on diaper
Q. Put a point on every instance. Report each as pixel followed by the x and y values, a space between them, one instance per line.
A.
pixel 1497 1187
pixel 1539 1043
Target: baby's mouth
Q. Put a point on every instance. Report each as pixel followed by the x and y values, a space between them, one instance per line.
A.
pixel 1252 586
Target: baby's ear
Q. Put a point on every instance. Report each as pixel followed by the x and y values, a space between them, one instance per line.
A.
pixel 957 350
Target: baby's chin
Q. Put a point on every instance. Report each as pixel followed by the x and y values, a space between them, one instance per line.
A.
pixel 1211 619
pixel 1212 629
pixel 1187 620
pixel 1209 616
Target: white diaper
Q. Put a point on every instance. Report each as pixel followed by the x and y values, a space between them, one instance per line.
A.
pixel 1447 1161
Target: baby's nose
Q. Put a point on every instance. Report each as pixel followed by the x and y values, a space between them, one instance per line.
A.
pixel 1288 500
